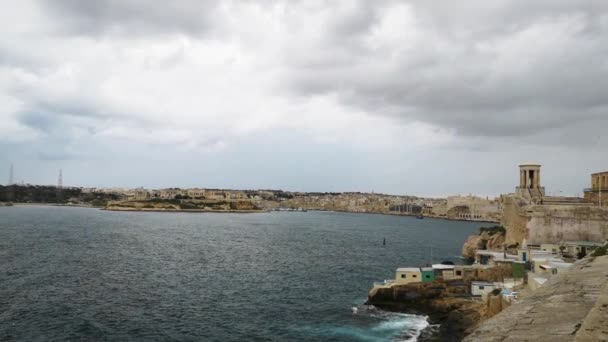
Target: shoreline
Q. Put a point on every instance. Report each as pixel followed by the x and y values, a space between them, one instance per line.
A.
pixel 231 211
pixel 406 215
pixel 242 211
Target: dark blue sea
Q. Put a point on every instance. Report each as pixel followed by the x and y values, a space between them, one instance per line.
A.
pixel 79 274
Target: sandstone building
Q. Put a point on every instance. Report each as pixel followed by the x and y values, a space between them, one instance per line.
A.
pixel 473 208
pixel 599 188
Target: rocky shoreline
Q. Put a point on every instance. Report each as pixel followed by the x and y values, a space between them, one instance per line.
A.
pixel 445 303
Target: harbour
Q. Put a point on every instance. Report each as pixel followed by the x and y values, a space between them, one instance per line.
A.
pixel 156 277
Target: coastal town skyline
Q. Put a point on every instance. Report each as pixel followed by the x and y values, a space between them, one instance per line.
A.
pixel 14 178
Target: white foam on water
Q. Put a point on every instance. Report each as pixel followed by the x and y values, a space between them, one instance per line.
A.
pixel 403 327
pixel 386 326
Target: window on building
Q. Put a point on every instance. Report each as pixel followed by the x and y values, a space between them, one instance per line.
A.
pixel 458 273
pixel 414 276
pixel 427 276
pixel 403 276
pixel 481 287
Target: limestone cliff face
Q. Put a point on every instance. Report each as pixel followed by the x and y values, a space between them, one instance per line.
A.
pixel 484 240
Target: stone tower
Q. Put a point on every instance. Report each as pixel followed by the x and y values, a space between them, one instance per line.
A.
pixel 529 181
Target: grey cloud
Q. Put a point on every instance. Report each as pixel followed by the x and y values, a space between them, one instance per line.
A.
pixel 134 16
pixel 462 86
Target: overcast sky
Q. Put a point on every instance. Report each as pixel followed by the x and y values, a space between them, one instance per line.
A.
pixel 401 97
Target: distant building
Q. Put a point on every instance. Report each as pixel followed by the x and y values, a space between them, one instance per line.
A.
pixel 473 208
pixel 550 247
pixel 481 288
pixel 407 275
pixel 139 194
pixel 598 189
pixel 573 248
pixel 215 195
pixel 171 193
pixel 486 257
pixel 196 193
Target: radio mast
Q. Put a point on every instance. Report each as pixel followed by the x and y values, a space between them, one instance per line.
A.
pixel 59 198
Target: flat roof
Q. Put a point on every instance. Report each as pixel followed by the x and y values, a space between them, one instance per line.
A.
pixel 585 243
pixel 487 252
pixel 408 269
pixel 482 283
pixel 599 173
pixel 443 267
pixel 547 258
pixel 495 254
pixel 504 260
pixel 562 265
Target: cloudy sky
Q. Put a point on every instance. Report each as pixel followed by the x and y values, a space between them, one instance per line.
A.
pixel 402 97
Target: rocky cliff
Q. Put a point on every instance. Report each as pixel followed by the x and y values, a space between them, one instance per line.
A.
pixel 445 302
pixel 488 238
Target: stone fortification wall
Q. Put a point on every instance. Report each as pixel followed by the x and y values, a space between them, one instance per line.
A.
pixel 555 223
pixel 552 223
pixel 514 219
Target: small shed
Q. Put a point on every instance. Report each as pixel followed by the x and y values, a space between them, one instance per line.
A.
pixel 428 275
pixel 549 247
pixel 444 271
pixel 480 288
pixel 406 275
pixel 464 272
pixel 573 248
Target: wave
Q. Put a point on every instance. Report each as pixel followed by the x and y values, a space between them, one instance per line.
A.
pixel 370 324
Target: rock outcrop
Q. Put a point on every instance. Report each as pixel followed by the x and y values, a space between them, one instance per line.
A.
pixel 183 205
pixel 486 239
pixel 445 302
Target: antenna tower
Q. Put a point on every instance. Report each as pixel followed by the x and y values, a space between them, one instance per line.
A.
pixel 59 198
pixel 11 179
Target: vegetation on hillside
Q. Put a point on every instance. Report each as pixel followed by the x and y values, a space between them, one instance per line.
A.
pixel 52 194
pixel 493 230
pixel 601 251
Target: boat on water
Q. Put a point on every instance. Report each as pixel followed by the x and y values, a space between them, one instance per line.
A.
pixel 420 217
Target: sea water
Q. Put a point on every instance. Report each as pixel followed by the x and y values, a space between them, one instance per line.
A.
pixel 85 274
